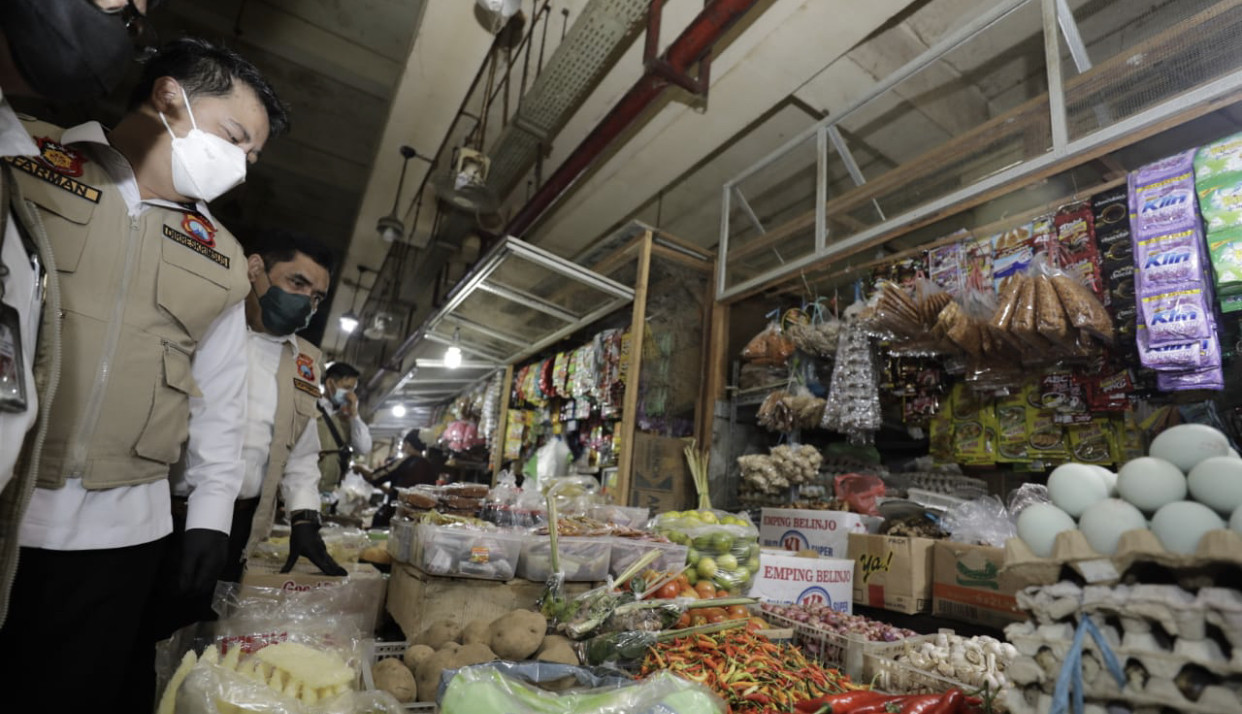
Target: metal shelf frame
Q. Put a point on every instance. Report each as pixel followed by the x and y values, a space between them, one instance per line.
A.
pixel 1058 23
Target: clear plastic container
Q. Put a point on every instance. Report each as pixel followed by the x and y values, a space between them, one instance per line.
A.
pixel 582 559
pixel 635 517
pixel 467 552
pixel 401 539
pixel 625 551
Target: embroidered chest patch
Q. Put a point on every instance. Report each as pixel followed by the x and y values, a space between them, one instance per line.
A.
pixel 199 228
pixel 59 157
pixel 306 367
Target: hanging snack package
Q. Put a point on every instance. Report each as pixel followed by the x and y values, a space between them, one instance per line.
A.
pixel 1218 159
pixel 1162 197
pixel 1220 200
pixel 1225 252
pixel 769 347
pixel 944 265
pixel 1168 260
pixel 1177 316
pixel 1012 252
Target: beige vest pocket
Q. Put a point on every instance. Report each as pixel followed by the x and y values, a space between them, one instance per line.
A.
pixel 65 218
pixel 168 424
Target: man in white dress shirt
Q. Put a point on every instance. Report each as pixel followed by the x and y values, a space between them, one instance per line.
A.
pixel 146 278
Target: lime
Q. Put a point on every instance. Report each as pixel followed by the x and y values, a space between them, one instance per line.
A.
pixel 732 521
pixel 754 550
pixel 742 574
pixel 727 562
pixel 707 567
pixel 741 551
pixel 708 517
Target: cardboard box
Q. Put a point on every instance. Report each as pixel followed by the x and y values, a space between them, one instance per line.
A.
pixel 659 477
pixel 891 572
pixel 366 584
pixel 825 532
pixel 786 578
pixel 967 585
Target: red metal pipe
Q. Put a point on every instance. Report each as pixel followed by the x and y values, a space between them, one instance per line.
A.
pixel 690 46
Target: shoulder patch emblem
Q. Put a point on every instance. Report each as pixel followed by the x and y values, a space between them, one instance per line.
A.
pixel 60 157
pixel 199 229
pixel 306 368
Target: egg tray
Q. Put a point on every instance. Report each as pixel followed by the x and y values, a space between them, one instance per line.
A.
pixel 1017 702
pixel 1216 548
pixel 1159 662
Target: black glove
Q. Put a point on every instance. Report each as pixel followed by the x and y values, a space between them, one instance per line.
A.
pixel 203 552
pixel 304 539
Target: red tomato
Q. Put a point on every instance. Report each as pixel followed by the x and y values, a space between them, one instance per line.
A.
pixel 705 589
pixel 738 612
pixel 683 621
pixel 668 591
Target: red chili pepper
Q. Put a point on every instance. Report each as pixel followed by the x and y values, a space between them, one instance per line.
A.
pixel 840 703
pixel 922 704
pixel 951 703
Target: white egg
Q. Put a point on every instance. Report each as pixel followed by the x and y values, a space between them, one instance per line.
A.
pixel 1150 483
pixel 1039 524
pixel 1235 521
pixel 1110 479
pixel 1074 487
pixel 1185 445
pixel 1217 483
pixel 1104 522
pixel 1180 525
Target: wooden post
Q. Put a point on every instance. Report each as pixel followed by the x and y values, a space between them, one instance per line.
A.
pixel 629 403
pixel 502 425
pixel 715 365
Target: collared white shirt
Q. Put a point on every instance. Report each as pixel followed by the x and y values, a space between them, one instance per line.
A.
pixel 359 432
pixel 300 484
pixel 74 518
pixel 20 292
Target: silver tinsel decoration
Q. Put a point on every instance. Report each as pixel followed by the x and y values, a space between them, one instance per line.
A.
pixel 854 394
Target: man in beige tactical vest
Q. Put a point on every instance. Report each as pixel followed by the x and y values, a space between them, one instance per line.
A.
pixel 145 276
pixel 289 276
pixel 342 432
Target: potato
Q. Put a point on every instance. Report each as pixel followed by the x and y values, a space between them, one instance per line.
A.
pixel 477 631
pixel 392 676
pixel 428 675
pixel 415 654
pixel 438 634
pixel 557 649
pixel 376 554
pixel 476 653
pixel 518 635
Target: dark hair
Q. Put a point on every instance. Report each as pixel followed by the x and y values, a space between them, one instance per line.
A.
pixel 277 245
pixel 205 69
pixel 339 371
pixel 411 438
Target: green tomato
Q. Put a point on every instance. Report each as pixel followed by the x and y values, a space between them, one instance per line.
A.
pixel 754 551
pixel 753 565
pixel 727 562
pixel 692 575
pixel 707 568
pixel 703 542
pixel 722 542
pixel 692 557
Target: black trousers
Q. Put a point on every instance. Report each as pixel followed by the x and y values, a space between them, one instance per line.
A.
pixel 82 607
pixel 171 609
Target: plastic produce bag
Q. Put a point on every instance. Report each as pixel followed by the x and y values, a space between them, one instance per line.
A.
pixel 983 521
pixel 551 461
pixel 769 347
pixel 489 689
pixel 711 535
pixel 1028 494
pixel 860 491
pixel 353 496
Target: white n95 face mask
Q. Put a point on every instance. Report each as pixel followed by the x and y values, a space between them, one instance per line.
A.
pixel 204 165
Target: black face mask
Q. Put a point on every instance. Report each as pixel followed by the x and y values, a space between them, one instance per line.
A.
pixel 285 313
pixel 66 49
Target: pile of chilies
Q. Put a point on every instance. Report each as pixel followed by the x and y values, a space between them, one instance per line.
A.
pixel 953 701
pixel 752 675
